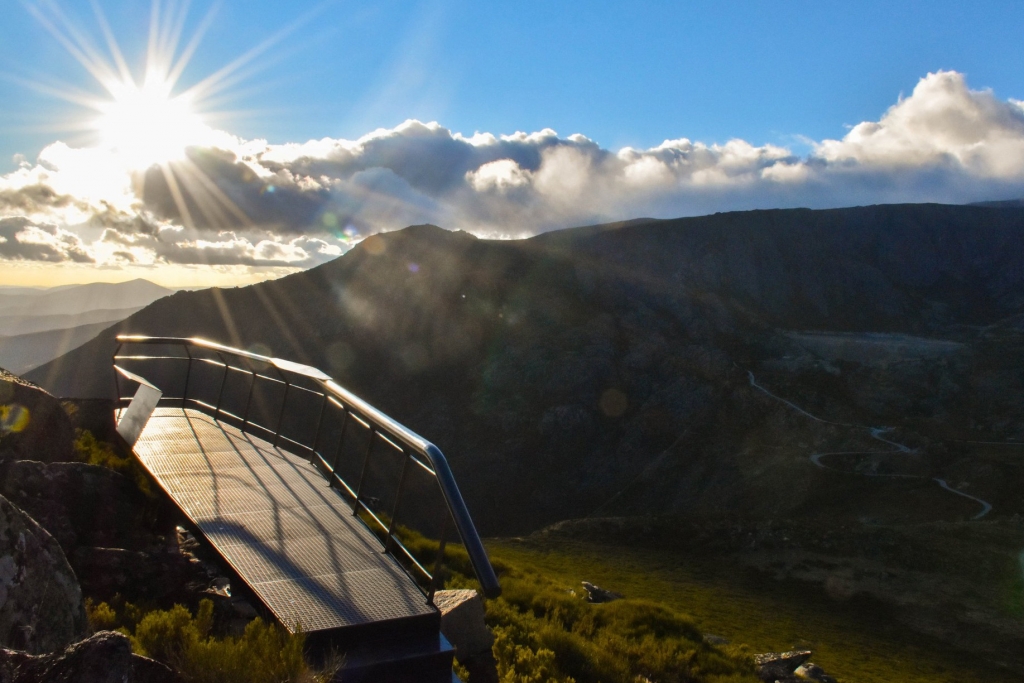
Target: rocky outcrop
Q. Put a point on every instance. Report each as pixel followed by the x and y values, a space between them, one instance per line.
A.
pixel 33 425
pixel 780 667
pixel 105 657
pixel 810 671
pixel 41 606
pixel 79 504
pixel 597 594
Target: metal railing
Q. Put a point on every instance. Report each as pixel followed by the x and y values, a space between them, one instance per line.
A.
pixel 345 407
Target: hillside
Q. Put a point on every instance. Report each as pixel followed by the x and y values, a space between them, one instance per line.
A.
pixel 827 397
pixel 575 362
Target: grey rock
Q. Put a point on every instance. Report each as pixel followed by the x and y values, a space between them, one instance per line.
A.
pixel 462 622
pixel 33 424
pixel 597 594
pixel 776 666
pixel 41 606
pixel 105 657
pixel 812 672
pixel 79 504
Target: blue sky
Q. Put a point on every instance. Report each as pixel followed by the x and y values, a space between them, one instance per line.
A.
pixel 625 73
pixel 503 119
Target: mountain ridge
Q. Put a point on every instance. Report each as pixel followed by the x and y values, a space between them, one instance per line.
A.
pixel 609 363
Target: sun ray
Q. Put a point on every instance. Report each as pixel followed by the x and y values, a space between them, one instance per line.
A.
pixel 145 121
pixel 84 54
pixel 179 198
pixel 219 79
pixel 108 36
pixel 186 55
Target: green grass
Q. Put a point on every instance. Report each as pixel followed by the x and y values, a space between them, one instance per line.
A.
pixel 850 641
pixel 545 633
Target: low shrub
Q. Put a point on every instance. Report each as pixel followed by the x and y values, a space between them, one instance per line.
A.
pixel 264 653
pixel 550 634
pixel 95 452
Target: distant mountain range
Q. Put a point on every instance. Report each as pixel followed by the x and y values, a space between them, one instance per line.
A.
pixel 700 365
pixel 38 325
pixel 75 299
pixel 23 352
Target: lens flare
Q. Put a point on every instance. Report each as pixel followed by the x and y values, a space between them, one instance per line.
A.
pixel 14 418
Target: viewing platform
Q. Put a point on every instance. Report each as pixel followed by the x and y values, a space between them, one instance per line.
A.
pixel 322 555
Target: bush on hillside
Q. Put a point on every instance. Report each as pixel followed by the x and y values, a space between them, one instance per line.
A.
pixel 548 634
pixel 264 653
pixel 92 451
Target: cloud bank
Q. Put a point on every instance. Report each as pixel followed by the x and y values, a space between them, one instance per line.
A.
pixel 253 204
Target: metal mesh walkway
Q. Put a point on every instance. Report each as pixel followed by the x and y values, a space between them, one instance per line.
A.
pixel 272 517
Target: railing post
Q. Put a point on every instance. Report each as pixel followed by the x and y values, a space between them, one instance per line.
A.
pixel 319 423
pixel 394 508
pixel 362 475
pixel 248 401
pixel 223 381
pixel 117 382
pixel 188 376
pixel 337 452
pixel 435 580
pixel 280 415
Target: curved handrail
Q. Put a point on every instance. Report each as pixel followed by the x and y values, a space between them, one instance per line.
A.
pixel 446 480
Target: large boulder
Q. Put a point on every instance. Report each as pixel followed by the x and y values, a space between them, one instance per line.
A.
pixel 41 606
pixel 780 667
pixel 33 424
pixel 80 504
pixel 105 657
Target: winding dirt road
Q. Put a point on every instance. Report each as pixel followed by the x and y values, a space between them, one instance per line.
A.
pixel 875 433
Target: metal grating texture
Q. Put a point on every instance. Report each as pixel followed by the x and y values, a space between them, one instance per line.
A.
pixel 271 515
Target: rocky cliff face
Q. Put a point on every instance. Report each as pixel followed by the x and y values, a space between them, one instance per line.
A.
pixel 66 525
pixel 40 600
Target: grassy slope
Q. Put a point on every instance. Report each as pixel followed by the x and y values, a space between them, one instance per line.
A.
pixel 850 641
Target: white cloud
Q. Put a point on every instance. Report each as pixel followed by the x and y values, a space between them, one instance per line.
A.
pixel 943 124
pixel 23 240
pixel 298 204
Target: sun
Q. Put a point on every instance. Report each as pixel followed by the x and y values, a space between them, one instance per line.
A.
pixel 149 121
pixel 146 124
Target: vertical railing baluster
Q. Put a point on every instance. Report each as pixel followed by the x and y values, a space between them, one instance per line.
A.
pixel 117 381
pixel 435 580
pixel 188 376
pixel 398 498
pixel 280 415
pixel 337 453
pixel 319 423
pixel 362 475
pixel 223 381
pixel 248 401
